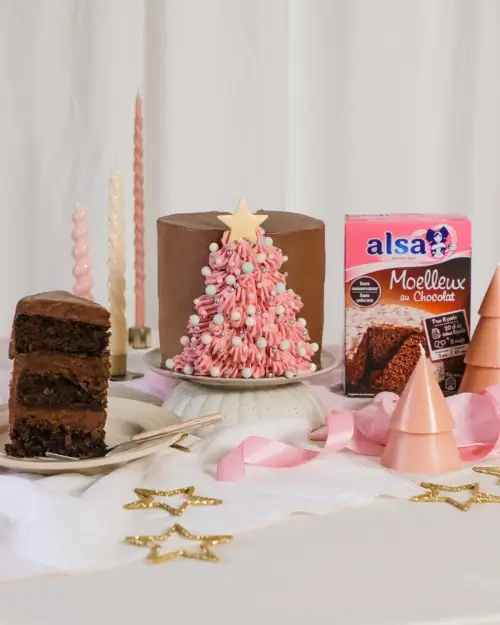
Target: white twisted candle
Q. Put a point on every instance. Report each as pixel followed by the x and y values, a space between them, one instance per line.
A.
pixel 116 265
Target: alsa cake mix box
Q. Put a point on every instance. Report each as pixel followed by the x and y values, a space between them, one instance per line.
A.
pixel 407 283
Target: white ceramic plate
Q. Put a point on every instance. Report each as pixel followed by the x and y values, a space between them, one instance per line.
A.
pixel 126 417
pixel 329 362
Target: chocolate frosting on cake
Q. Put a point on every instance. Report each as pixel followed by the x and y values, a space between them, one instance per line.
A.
pixel 63 305
pixel 183 241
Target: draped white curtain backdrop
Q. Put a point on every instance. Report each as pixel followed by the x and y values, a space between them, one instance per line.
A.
pixel 324 107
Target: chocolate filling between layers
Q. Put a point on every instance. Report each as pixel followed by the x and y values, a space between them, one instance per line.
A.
pixel 57 391
pixel 31 438
pixel 33 333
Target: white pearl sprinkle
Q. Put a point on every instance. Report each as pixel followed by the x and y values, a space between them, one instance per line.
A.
pixel 184 340
pixel 302 322
pixel 313 367
pixel 284 345
pixel 289 374
pixel 314 347
pixel 247 267
pixel 261 342
pixel 206 339
pixel 280 288
pixel 194 319
pixel 301 351
pixel 196 301
pixel 280 310
pixel 206 271
pixel 261 258
pixel 218 261
pixel 210 289
pixel 250 322
pixel 188 369
pixel 236 341
pixel 268 241
pixel 215 372
pixel 218 319
pixel 246 373
pixel 169 363
pixel 230 279
pixel 213 247
pixel 235 316
pixel 251 309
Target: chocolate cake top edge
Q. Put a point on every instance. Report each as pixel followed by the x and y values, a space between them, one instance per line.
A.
pixel 63 305
pixel 278 221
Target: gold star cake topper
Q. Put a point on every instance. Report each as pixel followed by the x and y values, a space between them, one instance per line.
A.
pixel 147 500
pixel 242 224
pixel 205 554
pixel 431 495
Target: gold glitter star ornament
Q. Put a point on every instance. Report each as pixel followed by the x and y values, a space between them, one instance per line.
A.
pixel 147 500
pixel 242 224
pixel 205 554
pixel 495 471
pixel 431 495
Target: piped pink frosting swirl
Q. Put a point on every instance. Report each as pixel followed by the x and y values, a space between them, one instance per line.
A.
pixel 245 324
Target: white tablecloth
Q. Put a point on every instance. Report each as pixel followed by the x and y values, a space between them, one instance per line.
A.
pixel 393 562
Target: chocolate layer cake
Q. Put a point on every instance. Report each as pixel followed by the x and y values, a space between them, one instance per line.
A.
pixel 381 356
pixel 59 383
pixel 183 241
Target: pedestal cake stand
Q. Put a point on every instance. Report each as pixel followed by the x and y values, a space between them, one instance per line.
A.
pixel 243 400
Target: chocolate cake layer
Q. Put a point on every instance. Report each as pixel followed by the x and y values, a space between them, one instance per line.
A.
pixel 395 375
pixel 31 438
pixel 33 333
pixel 60 381
pixel 183 241
pixel 85 420
pixel 63 305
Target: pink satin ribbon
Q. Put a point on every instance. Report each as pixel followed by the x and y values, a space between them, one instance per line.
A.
pixel 364 431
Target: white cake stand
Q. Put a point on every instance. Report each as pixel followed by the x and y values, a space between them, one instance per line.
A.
pixel 244 401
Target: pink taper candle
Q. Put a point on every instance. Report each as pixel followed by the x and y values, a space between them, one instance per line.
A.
pixel 81 254
pixel 140 275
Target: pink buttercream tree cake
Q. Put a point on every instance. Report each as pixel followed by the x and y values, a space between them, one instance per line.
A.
pixel 245 324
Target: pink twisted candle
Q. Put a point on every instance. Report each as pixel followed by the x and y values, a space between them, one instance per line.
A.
pixel 81 254
pixel 140 274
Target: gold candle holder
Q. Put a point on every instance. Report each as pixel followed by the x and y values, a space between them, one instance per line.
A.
pixel 118 369
pixel 139 338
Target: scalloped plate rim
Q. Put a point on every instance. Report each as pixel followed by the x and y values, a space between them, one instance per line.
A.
pixel 330 358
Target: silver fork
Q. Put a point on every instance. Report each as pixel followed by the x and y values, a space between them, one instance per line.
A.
pixel 138 439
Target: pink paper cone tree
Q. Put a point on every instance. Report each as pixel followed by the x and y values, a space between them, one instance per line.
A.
pixel 483 356
pixel 245 324
pixel 420 436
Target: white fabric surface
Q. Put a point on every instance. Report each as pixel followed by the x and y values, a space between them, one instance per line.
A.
pixel 73 523
pixel 324 106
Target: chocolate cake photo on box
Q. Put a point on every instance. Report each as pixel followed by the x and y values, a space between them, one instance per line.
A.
pixel 59 383
pixel 227 309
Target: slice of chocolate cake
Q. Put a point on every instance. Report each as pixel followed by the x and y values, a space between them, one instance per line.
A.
pixel 59 384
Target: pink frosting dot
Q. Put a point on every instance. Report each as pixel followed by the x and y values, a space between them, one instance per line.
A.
pixel 202 312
